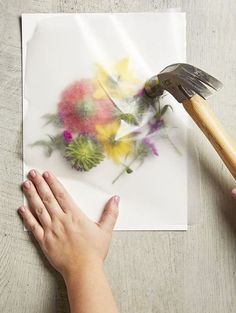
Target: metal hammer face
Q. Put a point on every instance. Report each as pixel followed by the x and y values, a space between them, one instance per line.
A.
pixel 183 81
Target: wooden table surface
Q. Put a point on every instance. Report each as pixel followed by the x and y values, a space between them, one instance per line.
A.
pixel 161 272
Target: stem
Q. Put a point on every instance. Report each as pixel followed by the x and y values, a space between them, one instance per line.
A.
pixel 107 94
pixel 126 166
pixel 117 177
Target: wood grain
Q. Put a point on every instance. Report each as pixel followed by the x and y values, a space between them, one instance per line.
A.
pixel 150 272
pixel 204 117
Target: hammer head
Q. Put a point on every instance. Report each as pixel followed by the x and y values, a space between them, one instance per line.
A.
pixel 183 81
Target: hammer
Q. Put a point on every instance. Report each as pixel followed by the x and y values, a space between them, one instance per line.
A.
pixel 188 85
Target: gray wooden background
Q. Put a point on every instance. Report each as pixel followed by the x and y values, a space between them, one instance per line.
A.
pixel 161 272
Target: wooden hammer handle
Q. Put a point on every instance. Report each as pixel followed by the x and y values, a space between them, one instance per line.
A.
pixel 203 116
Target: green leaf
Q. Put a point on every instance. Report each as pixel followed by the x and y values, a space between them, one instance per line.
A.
pixel 49 151
pixel 129 170
pixel 143 103
pixel 52 119
pixel 141 150
pixel 55 143
pixel 128 118
pixel 165 108
pixel 45 144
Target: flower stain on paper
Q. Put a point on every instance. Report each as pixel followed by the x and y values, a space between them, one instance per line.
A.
pixel 106 117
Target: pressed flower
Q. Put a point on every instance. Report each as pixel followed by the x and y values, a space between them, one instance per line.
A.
pixel 90 113
pixel 67 136
pixel 115 149
pixel 150 146
pixel 84 153
pixel 79 111
pixel 155 124
pixel 120 83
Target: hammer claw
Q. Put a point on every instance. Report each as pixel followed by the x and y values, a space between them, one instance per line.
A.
pixel 203 76
pixel 196 86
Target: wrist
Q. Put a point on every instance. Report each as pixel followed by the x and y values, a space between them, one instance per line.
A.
pixel 75 272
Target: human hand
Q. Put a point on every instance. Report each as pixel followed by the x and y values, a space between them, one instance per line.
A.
pixel 234 193
pixel 68 238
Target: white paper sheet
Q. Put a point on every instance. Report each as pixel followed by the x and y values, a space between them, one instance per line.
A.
pixel 59 49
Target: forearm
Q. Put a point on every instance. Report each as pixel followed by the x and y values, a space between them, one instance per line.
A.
pixel 89 291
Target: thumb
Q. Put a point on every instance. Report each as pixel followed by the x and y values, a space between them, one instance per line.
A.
pixel 234 193
pixel 110 214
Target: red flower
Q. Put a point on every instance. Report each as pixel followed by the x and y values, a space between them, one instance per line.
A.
pixel 80 112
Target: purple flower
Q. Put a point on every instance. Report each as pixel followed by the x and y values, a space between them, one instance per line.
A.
pixel 150 146
pixel 156 125
pixel 67 136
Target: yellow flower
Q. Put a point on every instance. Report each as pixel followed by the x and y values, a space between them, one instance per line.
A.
pixel 115 149
pixel 121 83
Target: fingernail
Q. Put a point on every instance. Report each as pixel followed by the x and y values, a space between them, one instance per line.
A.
pixel 26 184
pixel 21 209
pixel 46 174
pixel 116 199
pixel 234 193
pixel 32 173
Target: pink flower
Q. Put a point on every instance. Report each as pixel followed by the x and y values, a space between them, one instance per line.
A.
pixel 67 136
pixel 80 112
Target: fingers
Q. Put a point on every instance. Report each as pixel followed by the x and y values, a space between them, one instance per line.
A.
pixel 62 196
pixel 47 197
pixel 31 223
pixel 110 214
pixel 36 204
pixel 45 193
pixel 234 193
